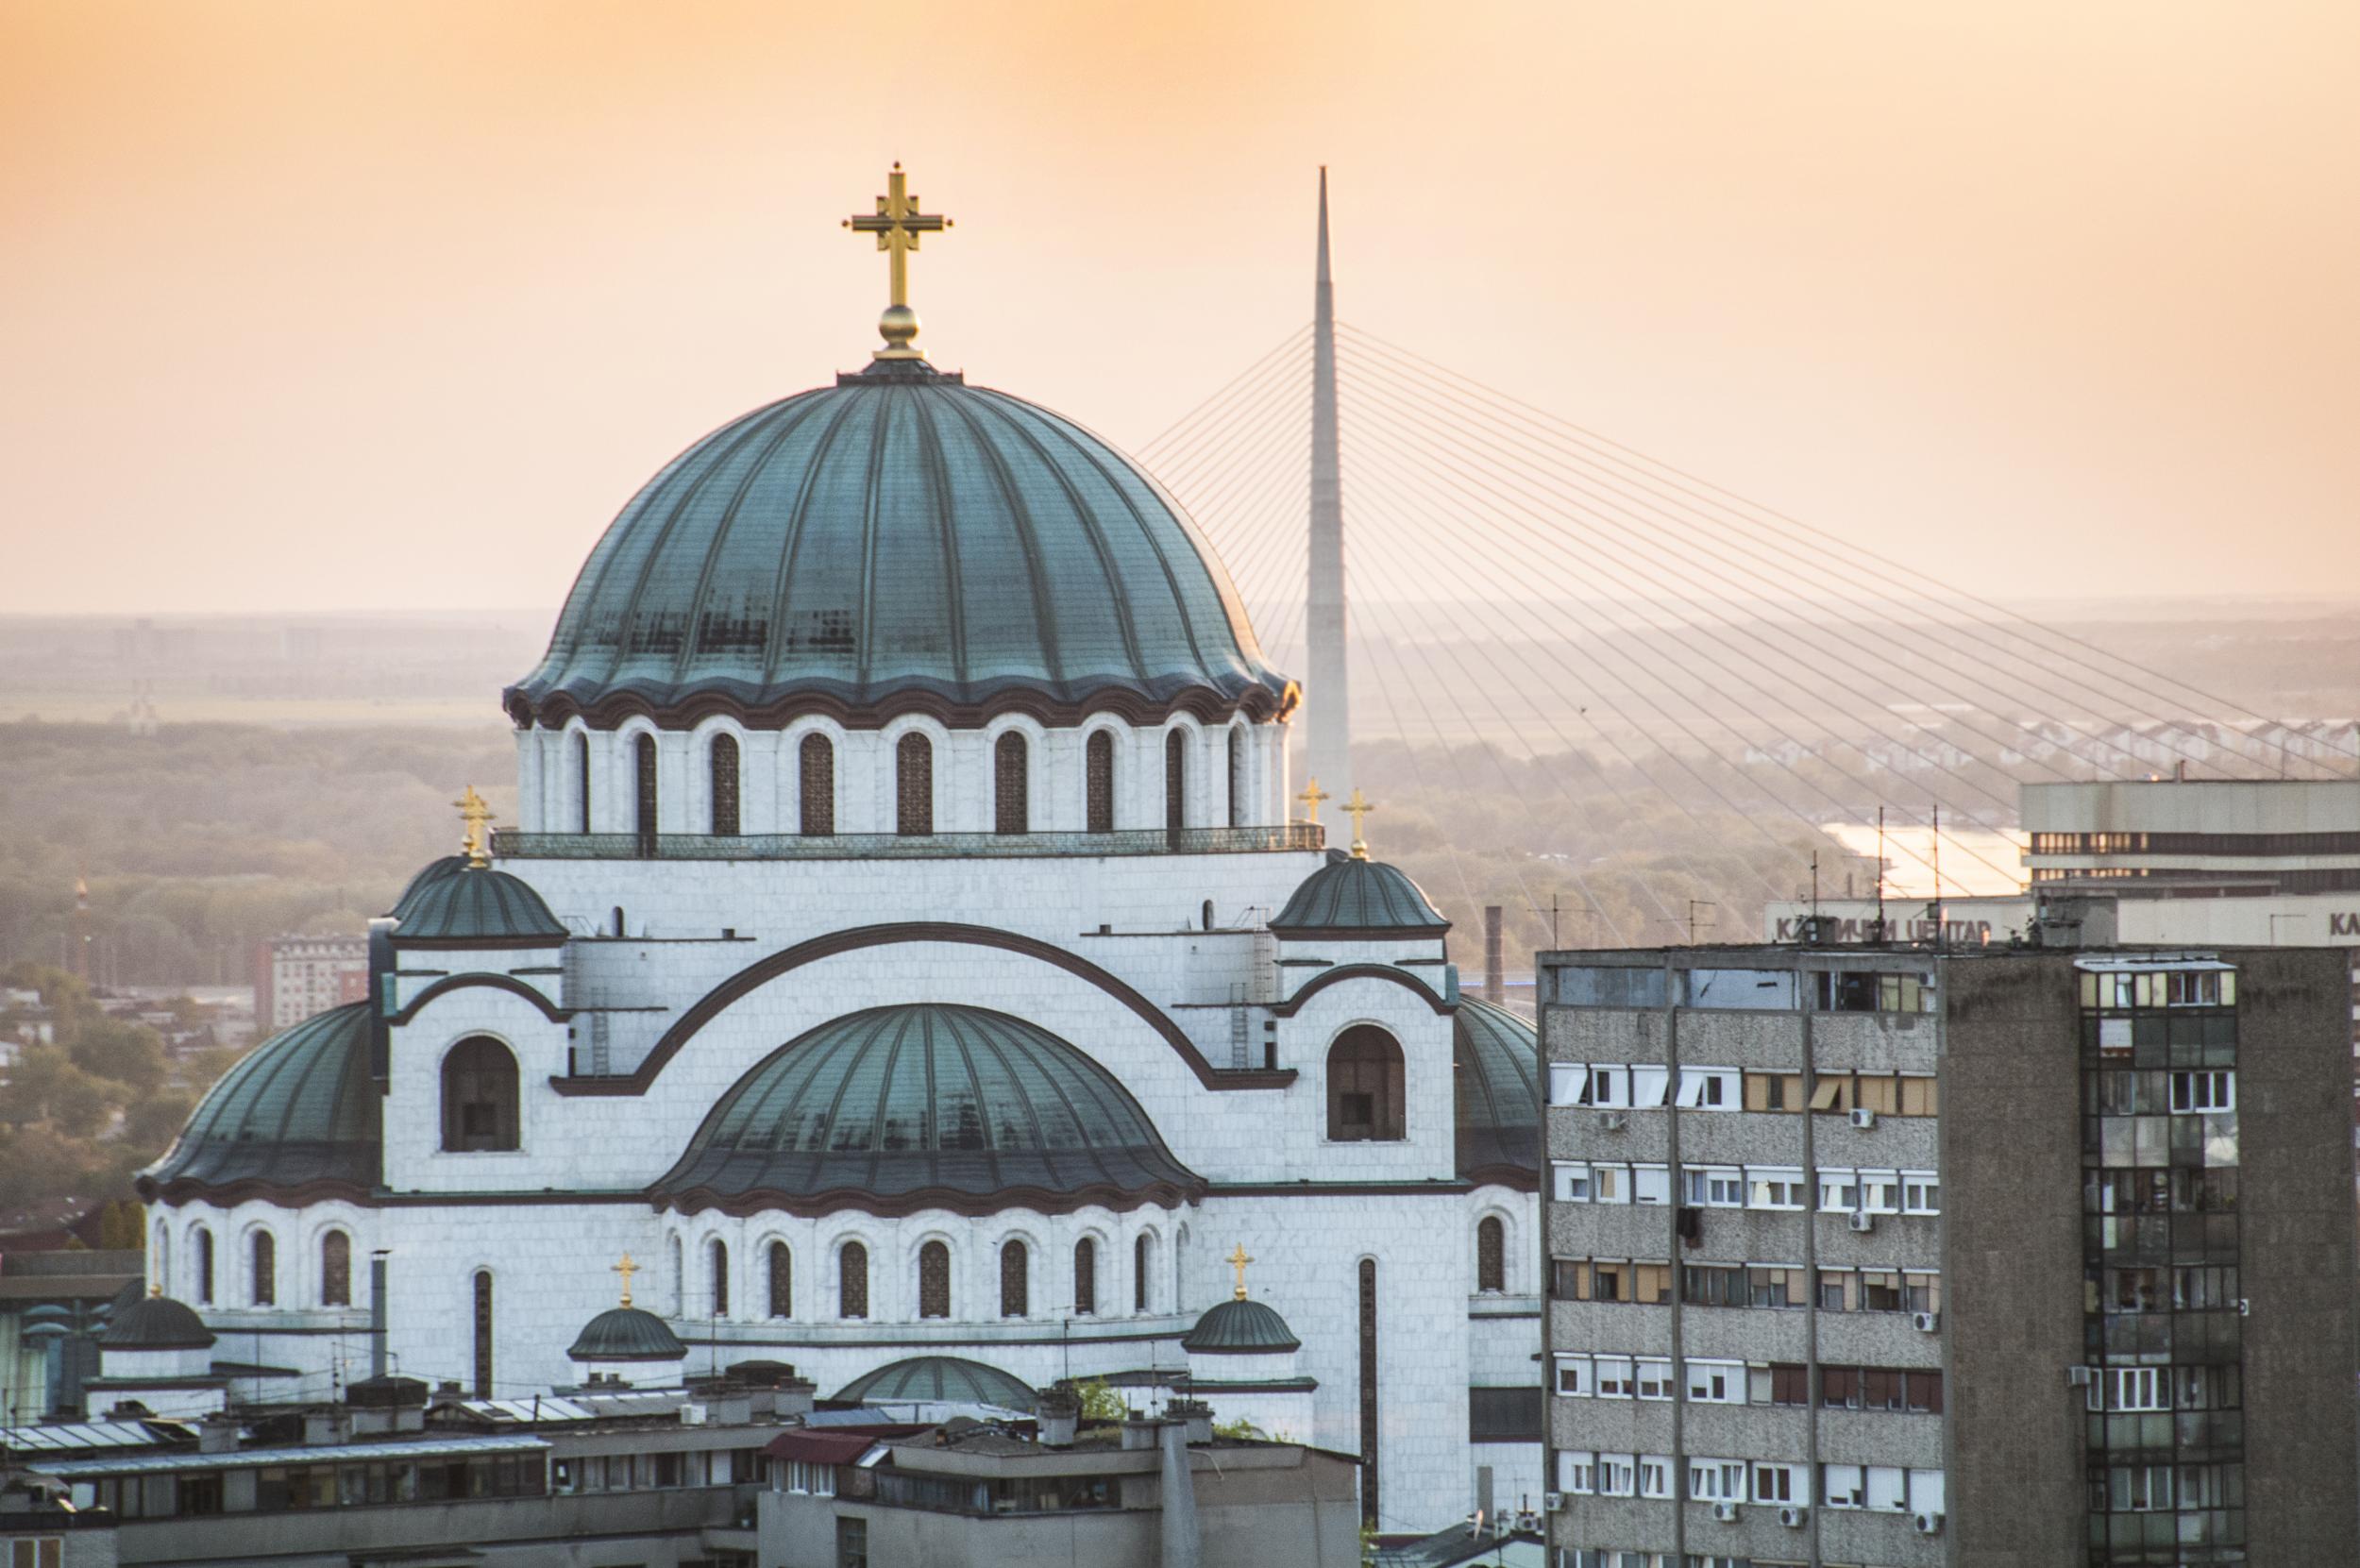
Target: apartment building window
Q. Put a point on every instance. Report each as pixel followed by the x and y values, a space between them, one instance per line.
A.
pixel 1880 1389
pixel 1839 1191
pixel 1579 1182
pixel 1606 1087
pixel 2213 1090
pixel 1714 1382
pixel 1779 1383
pixel 1880 1291
pixel 1880 1192
pixel 1921 1192
pixel 1716 1481
pixel 1884 1093
pixel 1872 991
pixel 1885 1488
pixel 1713 1186
pixel 1714 1088
pixel 1565 1083
pixel 1775 1286
pixel 1781 1483
pixel 1576 1377
pixel 1653 1378
pixel 1746 990
pixel 1773 1091
pixel 1615 1378
pixel 1609 1280
pixel 1712 1284
pixel 2131 1389
pixel 1618 1474
pixel 1609 986
pixel 1577 1473
pixel 1774 1186
pixel 1655 1479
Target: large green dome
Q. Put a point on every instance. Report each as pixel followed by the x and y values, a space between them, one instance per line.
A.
pixel 946 1377
pixel 900 541
pixel 1496 1062
pixel 924 1106
pixel 300 1109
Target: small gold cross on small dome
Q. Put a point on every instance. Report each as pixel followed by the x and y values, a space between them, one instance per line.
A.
pixel 473 812
pixel 1360 810
pixel 897 224
pixel 1237 1260
pixel 1312 797
pixel 626 1267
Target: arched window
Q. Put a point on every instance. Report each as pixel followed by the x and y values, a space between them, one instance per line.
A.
pixel 1011 785
pixel 723 761
pixel 1085 1277
pixel 1099 782
pixel 1175 781
pixel 680 1280
pixel 718 1267
pixel 618 920
pixel 1364 1086
pixel 1490 1255
pixel 1206 914
pixel 483 1334
pixel 159 1259
pixel 336 1269
pixel 478 1096
pixel 1016 1280
pixel 1370 1427
pixel 263 1272
pixel 934 1280
pixel 202 1245
pixel 582 775
pixel 818 774
pixel 914 785
pixel 1142 1271
pixel 781 1281
pixel 852 1281
pixel 1236 776
pixel 644 795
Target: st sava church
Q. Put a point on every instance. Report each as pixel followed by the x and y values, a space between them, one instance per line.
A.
pixel 912 963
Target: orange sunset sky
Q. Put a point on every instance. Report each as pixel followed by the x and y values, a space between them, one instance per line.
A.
pixel 336 305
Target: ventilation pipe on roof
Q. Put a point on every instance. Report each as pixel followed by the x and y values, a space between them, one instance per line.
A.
pixel 1182 1545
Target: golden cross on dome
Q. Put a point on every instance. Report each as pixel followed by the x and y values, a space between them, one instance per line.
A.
pixel 897 224
pixel 1359 809
pixel 626 1268
pixel 473 812
pixel 1237 1260
pixel 1312 797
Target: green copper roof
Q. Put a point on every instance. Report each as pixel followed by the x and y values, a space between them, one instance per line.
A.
pixel 891 536
pixel 1348 896
pixel 949 1377
pixel 1498 1091
pixel 923 1105
pixel 298 1108
pixel 627 1334
pixel 480 907
pixel 1235 1327
pixel 429 874
pixel 156 1322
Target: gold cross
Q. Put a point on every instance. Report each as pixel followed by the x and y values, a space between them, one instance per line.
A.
pixel 1360 810
pixel 1237 1260
pixel 626 1267
pixel 1312 797
pixel 473 812
pixel 897 224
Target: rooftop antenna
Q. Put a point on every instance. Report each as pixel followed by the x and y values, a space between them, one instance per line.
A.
pixel 1695 905
pixel 1881 873
pixel 1937 876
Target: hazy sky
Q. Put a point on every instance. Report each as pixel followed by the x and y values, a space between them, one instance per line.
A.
pixel 394 305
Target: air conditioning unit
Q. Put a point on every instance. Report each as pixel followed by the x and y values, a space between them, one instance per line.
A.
pixel 1553 1502
pixel 1929 1524
pixel 1528 1521
pixel 1791 1518
pixel 1613 1121
pixel 1863 1222
pixel 2077 1377
pixel 1926 1323
pixel 692 1415
pixel 1725 1512
pixel 1863 1117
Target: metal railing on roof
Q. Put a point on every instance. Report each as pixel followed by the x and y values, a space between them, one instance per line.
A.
pixel 516 844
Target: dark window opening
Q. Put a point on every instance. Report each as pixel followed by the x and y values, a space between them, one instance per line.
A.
pixel 852 1281
pixel 1100 785
pixel 483 1334
pixel 718 1261
pixel 205 1267
pixel 914 785
pixel 263 1287
pixel 934 1280
pixel 1175 782
pixel 725 780
pixel 817 755
pixel 1491 1255
pixel 643 750
pixel 781 1281
pixel 1011 785
pixel 1015 1292
pixel 1237 777
pixel 335 1270
pixel 478 1097
pixel 1142 1271
pixel 1364 1086
pixel 1085 1277
pixel 581 771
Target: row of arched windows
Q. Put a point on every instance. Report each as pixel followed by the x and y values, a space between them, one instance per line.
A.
pixel 914 783
pixel 933 1279
pixel 259 1285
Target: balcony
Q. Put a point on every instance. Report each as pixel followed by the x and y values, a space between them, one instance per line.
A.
pixel 515 844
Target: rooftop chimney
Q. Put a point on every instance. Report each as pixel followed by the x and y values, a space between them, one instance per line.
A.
pixel 1494 958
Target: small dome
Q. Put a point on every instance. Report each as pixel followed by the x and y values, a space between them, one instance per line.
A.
pixel 1241 1326
pixel 627 1334
pixel 1497 1087
pixel 930 1105
pixel 477 907
pixel 430 873
pixel 1365 898
pixel 900 541
pixel 156 1322
pixel 298 1110
pixel 949 1377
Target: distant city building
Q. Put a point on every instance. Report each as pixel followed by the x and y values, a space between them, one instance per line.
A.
pixel 1907 1257
pixel 297 976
